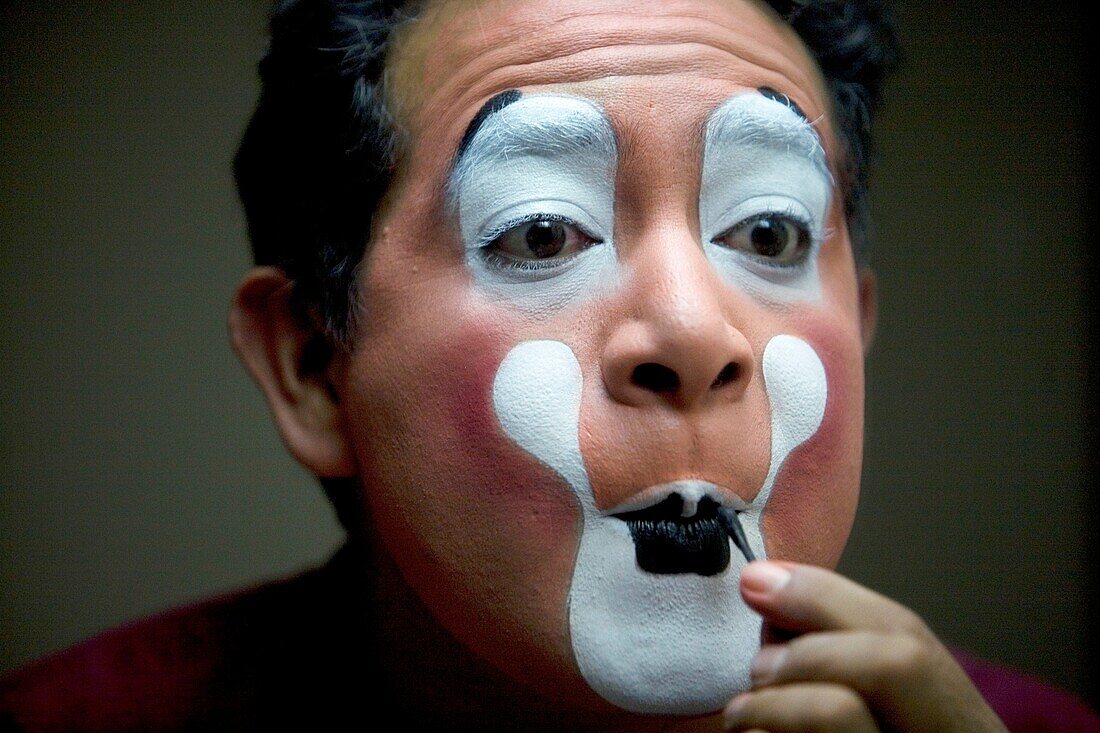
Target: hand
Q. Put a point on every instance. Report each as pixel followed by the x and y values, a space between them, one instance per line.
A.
pixel 857 661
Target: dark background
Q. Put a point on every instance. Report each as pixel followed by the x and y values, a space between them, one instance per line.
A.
pixel 139 469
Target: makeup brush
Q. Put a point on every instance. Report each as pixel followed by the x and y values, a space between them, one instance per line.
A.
pixel 733 528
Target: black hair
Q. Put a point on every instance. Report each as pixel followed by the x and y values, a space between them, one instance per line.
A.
pixel 320 150
pixel 855 44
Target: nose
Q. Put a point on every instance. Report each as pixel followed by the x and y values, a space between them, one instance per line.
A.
pixel 678 345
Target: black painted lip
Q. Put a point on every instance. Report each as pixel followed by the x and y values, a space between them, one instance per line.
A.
pixel 666 542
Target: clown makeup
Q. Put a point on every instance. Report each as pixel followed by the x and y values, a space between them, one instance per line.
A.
pixel 533 188
pixel 764 197
pixel 656 621
pixel 653 642
pixel 600 307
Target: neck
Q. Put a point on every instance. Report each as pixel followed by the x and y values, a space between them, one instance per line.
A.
pixel 428 678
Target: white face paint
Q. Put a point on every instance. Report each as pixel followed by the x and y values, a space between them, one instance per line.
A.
pixel 760 158
pixel 541 158
pixel 658 644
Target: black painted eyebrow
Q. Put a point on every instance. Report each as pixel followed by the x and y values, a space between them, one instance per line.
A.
pixel 777 96
pixel 496 103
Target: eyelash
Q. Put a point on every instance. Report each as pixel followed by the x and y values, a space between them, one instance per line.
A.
pixel 498 261
pixel 790 214
pixel 491 236
pixel 501 262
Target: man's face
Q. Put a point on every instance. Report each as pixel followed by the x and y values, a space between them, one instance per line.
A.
pixel 605 318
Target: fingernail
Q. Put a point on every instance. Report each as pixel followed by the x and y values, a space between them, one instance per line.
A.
pixel 732 714
pixel 767 663
pixel 764 577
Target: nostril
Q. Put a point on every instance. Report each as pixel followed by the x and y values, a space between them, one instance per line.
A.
pixel 655 377
pixel 728 374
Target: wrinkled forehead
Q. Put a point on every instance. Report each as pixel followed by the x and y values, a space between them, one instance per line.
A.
pixel 460 53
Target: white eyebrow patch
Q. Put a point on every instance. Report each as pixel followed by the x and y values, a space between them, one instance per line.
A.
pixel 761 157
pixel 676 644
pixel 548 156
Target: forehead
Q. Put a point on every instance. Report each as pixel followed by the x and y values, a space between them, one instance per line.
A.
pixel 685 56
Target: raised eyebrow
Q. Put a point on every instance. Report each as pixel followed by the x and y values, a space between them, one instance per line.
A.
pixel 798 136
pixel 489 141
pixel 495 104
pixel 778 96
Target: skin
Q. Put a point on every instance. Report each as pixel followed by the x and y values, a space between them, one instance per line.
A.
pixel 469 541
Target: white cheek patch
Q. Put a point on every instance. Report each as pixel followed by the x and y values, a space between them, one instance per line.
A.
pixel 795 381
pixel 760 157
pixel 537 399
pixel 542 156
pixel 656 644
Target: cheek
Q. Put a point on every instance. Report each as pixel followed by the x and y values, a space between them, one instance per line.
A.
pixel 514 491
pixel 484 534
pixel 812 506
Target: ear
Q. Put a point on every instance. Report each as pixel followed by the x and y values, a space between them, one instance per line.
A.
pixel 868 306
pixel 291 359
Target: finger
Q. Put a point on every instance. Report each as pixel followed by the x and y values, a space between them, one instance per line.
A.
pixel 909 683
pixel 805 598
pixel 874 664
pixel 815 706
pixel 858 659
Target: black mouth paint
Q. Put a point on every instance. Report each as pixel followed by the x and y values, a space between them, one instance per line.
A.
pixel 495 104
pixel 667 543
pixel 783 99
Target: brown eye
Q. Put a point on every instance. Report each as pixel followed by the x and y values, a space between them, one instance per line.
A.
pixel 774 237
pixel 541 239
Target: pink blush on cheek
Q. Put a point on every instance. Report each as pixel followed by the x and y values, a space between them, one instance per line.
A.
pixel 810 512
pixel 522 489
pixel 485 534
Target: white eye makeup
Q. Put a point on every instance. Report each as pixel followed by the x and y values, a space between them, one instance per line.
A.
pixel 534 188
pixel 535 242
pixel 764 197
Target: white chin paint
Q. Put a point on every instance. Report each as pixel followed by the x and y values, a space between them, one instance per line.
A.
pixel 653 644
